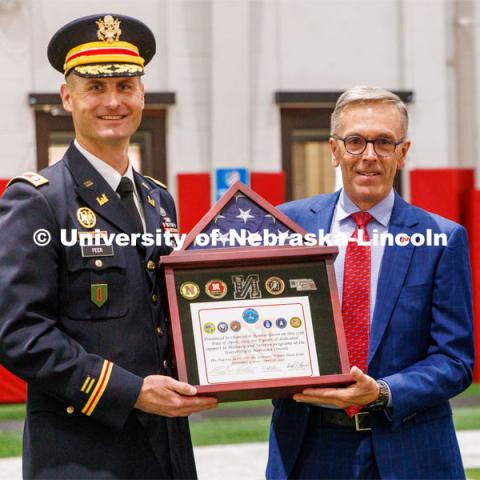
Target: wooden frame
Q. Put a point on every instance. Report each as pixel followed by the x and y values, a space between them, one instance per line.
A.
pixel 237 187
pixel 198 265
pixel 224 261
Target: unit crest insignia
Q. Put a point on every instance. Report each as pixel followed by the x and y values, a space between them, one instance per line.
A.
pixel 86 217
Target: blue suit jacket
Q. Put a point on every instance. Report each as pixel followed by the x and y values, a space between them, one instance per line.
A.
pixel 421 344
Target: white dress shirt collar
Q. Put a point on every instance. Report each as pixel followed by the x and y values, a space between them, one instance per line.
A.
pixel 381 211
pixel 109 174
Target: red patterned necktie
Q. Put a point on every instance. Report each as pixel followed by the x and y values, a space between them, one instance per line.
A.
pixel 356 297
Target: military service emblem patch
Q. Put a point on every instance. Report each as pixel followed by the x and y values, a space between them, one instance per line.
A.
pixel 99 294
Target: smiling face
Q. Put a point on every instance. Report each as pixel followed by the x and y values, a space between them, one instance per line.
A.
pixel 105 111
pixel 368 177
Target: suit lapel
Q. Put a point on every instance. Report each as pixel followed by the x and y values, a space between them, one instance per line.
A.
pixel 324 207
pixel 395 263
pixel 93 190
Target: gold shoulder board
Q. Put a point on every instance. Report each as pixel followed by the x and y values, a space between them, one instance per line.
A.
pixel 33 178
pixel 158 182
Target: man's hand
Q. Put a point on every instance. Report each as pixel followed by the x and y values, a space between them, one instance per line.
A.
pixel 364 391
pixel 162 395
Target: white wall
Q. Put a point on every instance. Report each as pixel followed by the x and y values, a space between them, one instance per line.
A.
pixel 188 33
pixel 226 58
pixel 17 138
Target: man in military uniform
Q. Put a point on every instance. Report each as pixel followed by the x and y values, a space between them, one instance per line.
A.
pixel 86 326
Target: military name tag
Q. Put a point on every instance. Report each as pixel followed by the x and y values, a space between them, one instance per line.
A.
pixel 89 251
pixel 94 244
pixel 99 294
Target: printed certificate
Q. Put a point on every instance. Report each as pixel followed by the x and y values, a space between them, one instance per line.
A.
pixel 245 340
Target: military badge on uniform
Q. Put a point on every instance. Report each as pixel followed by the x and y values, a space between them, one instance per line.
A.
pixel 108 29
pixel 102 199
pixel 86 217
pixel 87 385
pixel 34 179
pixel 94 244
pixel 99 389
pixel 151 201
pixel 168 226
pixel 99 294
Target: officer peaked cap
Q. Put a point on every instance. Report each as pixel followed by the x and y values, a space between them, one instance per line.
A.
pixel 103 45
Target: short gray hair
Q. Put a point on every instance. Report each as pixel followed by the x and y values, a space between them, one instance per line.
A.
pixel 366 94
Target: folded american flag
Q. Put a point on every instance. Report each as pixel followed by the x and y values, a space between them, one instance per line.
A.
pixel 240 218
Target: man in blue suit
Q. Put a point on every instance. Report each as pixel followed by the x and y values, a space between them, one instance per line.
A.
pixel 416 351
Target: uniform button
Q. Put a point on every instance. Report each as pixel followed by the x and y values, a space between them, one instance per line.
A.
pixel 165 364
pixel 160 331
pixel 70 410
pixel 151 265
pixel 98 263
pixel 154 298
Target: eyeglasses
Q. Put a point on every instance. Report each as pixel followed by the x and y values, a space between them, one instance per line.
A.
pixel 356 144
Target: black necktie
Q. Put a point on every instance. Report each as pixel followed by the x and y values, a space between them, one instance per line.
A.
pixel 125 190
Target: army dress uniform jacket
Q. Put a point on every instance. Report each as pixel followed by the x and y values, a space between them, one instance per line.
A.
pixel 84 331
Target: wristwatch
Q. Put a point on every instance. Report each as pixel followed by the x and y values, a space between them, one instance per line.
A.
pixel 383 397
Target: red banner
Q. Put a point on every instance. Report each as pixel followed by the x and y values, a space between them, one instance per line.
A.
pixel 12 389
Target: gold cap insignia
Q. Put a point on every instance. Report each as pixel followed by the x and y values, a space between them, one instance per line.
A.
pixel 108 29
pixel 109 69
pixel 86 217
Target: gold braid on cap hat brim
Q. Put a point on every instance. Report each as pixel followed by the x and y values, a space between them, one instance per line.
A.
pixel 93 53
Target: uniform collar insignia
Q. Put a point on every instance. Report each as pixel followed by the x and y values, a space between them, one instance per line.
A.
pixel 102 199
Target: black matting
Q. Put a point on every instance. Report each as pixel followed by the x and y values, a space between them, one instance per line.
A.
pixel 320 306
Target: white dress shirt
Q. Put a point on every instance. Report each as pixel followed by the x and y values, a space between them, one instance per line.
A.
pixel 113 178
